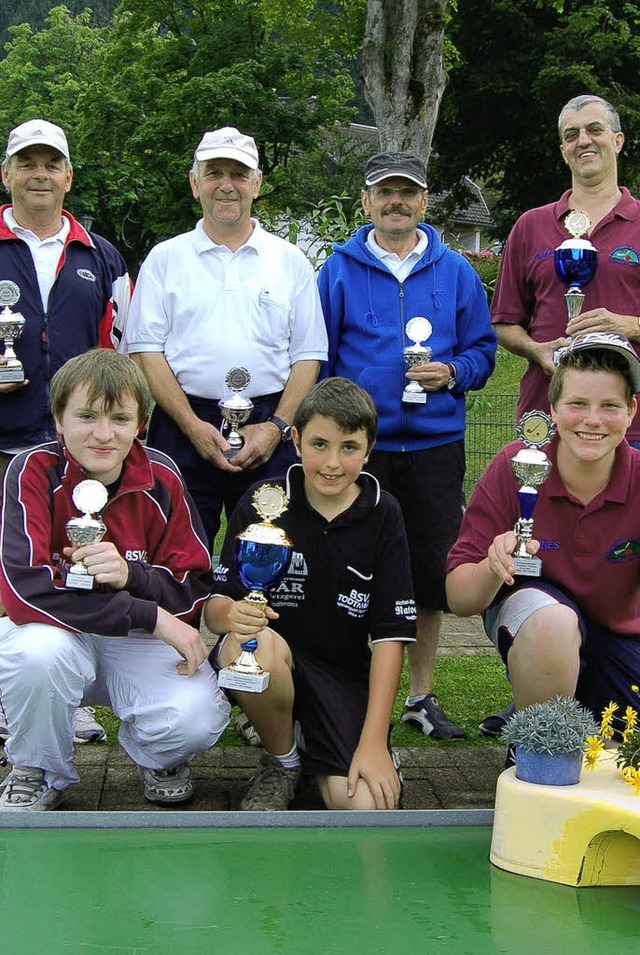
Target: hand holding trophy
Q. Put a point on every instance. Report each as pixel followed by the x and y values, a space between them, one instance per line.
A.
pixel 531 467
pixel 262 556
pixel 418 329
pixel 89 497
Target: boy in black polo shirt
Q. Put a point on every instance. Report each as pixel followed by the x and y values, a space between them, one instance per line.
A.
pixel 343 613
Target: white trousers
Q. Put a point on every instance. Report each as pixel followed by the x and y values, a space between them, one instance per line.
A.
pixel 46 673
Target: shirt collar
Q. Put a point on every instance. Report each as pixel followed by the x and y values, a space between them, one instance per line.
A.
pixel 19 230
pixel 203 243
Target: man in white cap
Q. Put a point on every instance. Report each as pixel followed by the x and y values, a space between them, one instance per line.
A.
pixel 226 296
pixel 70 285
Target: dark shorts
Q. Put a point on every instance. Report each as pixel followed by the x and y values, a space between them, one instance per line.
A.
pixel 428 486
pixel 211 488
pixel 609 661
pixel 330 707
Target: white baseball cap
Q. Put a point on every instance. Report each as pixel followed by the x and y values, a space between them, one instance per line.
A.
pixel 610 341
pixel 228 143
pixel 37 132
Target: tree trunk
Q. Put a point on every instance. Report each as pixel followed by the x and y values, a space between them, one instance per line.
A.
pixel 404 75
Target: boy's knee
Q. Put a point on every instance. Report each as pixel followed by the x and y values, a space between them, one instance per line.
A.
pixel 39 651
pixel 552 632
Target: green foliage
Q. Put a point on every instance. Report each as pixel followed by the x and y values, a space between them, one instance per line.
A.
pixel 556 726
pixel 486 265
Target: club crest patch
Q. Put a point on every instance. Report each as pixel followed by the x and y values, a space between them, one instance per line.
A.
pixel 86 274
pixel 624 550
pixel 625 255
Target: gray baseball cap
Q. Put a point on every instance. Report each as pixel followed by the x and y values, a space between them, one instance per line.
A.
pixel 385 165
pixel 610 341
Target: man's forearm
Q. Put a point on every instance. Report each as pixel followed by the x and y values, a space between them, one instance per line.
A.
pixel 517 340
pixel 302 378
pixel 165 388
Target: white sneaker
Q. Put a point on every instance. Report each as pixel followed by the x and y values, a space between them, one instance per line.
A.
pixel 247 730
pixel 167 786
pixel 4 729
pixel 25 790
pixel 86 728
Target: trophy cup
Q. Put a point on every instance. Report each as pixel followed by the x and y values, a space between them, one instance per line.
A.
pixel 261 556
pixel 89 497
pixel 531 467
pixel 576 260
pixel 11 326
pixel 418 329
pixel 235 410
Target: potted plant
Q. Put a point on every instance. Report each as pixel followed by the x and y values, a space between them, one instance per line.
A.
pixel 549 740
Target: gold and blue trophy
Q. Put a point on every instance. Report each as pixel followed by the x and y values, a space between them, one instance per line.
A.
pixel 576 260
pixel 531 467
pixel 262 554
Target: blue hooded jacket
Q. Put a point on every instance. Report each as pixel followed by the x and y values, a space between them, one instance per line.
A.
pixel 366 311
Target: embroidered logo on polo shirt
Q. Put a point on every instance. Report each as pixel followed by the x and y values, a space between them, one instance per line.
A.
pixel 546 254
pixel 624 550
pixel 406 609
pixel 625 255
pixel 86 274
pixel 549 545
pixel 356 603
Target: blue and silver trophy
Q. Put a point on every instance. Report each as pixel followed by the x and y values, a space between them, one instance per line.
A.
pixel 261 556
pixel 576 261
pixel 531 467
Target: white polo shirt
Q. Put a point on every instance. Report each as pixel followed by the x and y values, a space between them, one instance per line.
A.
pixel 209 309
pixel 45 252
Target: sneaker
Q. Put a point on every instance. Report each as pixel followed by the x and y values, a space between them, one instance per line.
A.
pixel 272 788
pixel 4 729
pixel 86 728
pixel 247 730
pixel 167 785
pixel 494 724
pixel 428 716
pixel 25 790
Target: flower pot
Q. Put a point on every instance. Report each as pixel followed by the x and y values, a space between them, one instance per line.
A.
pixel 561 769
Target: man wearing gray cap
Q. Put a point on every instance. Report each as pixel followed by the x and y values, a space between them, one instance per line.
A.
pixel 70 285
pixel 408 321
pixel 227 296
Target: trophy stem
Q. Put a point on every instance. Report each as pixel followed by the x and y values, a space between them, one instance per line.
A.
pixel 575 300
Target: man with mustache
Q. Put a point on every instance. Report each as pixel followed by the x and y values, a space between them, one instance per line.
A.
pixel 393 285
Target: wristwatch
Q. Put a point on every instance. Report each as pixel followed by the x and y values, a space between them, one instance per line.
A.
pixel 285 429
pixel 452 376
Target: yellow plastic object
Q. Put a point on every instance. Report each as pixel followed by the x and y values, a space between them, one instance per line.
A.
pixel 588 834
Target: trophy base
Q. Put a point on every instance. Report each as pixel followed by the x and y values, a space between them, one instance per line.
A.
pixel 231 453
pixel 78 581
pixel 527 566
pixel 9 375
pixel 414 397
pixel 231 679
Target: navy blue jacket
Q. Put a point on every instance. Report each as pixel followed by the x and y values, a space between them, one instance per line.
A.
pixel 87 308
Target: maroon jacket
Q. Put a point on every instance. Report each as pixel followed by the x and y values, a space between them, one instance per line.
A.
pixel 151 520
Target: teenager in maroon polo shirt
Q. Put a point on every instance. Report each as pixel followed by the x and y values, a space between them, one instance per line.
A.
pixel 574 631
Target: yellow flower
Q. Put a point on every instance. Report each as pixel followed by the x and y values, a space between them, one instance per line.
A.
pixel 593 747
pixel 606 730
pixel 608 711
pixel 632 777
pixel 634 688
pixel 630 717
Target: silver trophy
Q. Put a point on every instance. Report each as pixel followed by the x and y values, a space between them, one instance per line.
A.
pixel 236 409
pixel 11 326
pixel 418 330
pixel 531 467
pixel 89 497
pixel 262 556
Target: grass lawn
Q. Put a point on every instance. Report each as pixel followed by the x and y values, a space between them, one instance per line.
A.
pixel 469 688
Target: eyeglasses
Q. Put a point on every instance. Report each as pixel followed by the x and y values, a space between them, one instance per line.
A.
pixel 404 192
pixel 593 130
